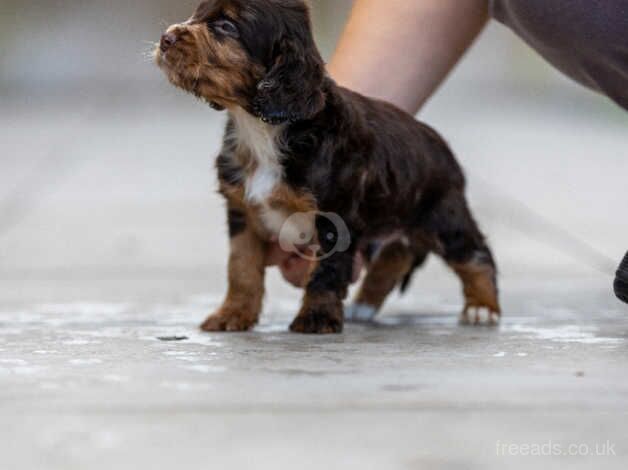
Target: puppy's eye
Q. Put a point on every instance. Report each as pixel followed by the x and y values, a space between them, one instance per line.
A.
pixel 226 27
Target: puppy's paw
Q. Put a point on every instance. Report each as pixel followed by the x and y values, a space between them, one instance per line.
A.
pixel 316 323
pixel 319 320
pixel 226 320
pixel 480 316
pixel 359 312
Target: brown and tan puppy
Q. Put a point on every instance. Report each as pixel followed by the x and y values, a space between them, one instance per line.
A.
pixel 309 163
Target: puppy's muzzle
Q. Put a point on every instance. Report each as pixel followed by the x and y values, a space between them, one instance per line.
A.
pixel 167 41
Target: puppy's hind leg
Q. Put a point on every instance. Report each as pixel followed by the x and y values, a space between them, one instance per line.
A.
pixel 388 269
pixel 478 276
pixel 459 241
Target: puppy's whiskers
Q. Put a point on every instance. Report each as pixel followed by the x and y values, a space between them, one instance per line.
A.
pixel 150 51
pixel 149 55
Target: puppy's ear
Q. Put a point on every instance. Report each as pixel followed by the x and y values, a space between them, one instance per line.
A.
pixel 292 89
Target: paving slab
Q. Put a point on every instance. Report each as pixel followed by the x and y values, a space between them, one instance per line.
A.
pixel 134 384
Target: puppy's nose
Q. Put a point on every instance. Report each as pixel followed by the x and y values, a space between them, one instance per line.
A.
pixel 167 41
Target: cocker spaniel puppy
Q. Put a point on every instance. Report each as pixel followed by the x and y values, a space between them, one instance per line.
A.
pixel 320 168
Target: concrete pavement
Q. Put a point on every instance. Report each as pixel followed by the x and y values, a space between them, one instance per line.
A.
pixel 119 240
pixel 135 385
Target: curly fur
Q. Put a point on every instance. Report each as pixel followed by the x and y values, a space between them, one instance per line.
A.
pixel 296 140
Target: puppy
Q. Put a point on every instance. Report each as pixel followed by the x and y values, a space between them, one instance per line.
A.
pixel 311 164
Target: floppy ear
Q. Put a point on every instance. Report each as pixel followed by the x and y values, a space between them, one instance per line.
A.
pixel 292 88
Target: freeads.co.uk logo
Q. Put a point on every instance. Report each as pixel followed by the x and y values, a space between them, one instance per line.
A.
pixel 314 236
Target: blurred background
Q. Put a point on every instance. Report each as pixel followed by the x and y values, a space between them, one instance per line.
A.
pixel 107 185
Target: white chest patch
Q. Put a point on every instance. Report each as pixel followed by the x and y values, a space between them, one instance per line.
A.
pixel 261 141
pixel 273 220
pixel 291 230
pixel 262 183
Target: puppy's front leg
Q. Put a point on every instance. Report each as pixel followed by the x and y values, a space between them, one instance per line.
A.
pixel 322 310
pixel 243 304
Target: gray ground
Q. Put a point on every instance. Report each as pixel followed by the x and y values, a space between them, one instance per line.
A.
pixel 111 237
pixel 91 385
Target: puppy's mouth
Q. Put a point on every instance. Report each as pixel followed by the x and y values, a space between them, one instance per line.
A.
pixel 160 56
pixel 171 60
pixel 174 63
pixel 172 55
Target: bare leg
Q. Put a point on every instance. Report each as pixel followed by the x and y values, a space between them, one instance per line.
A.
pixel 243 304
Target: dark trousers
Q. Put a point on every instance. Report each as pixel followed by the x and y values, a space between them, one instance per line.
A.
pixel 621 281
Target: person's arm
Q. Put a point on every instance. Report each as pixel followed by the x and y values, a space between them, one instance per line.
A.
pixel 402 50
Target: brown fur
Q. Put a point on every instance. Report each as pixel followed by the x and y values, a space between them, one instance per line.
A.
pixel 243 304
pixel 215 71
pixel 321 313
pixel 242 307
pixel 386 271
pixel 283 198
pixel 296 142
pixel 479 288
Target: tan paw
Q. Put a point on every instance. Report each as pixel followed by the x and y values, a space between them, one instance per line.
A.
pixel 225 320
pixel 479 316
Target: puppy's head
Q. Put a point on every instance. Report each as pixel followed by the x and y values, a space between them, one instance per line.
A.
pixel 255 54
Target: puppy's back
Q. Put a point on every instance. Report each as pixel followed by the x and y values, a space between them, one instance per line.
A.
pixel 399 140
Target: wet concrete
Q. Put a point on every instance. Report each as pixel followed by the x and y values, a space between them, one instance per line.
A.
pixel 112 237
pixel 111 384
